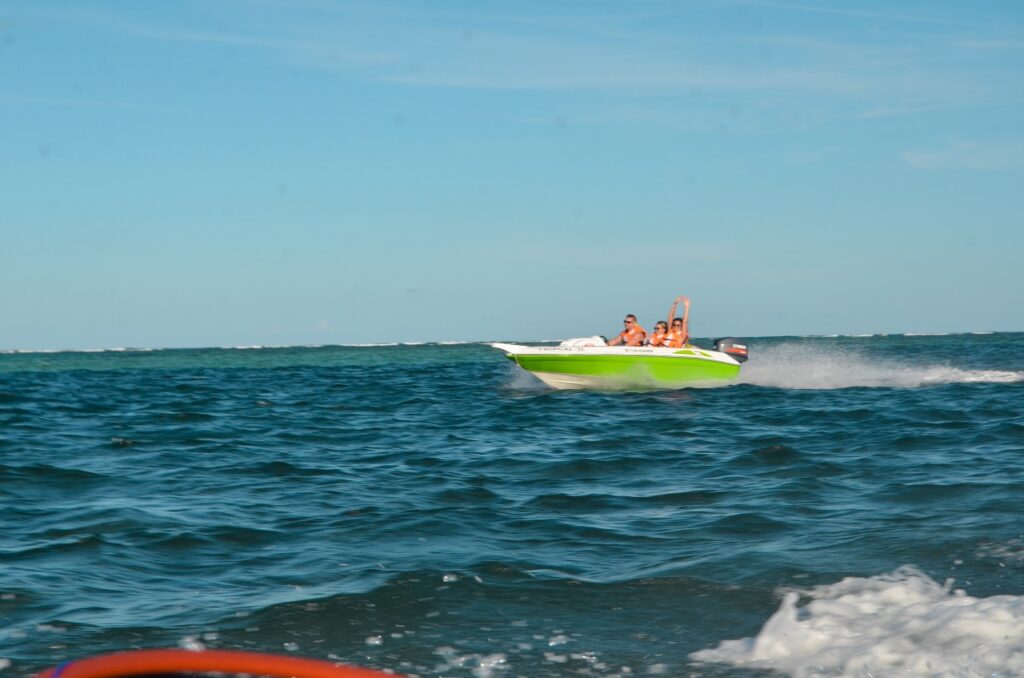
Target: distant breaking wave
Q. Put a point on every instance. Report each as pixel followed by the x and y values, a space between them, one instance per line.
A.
pixel 371 344
pixel 797 366
pixel 117 349
pixel 240 347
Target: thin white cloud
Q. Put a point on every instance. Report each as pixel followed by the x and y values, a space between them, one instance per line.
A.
pixel 989 44
pixel 848 12
pixel 590 52
pixel 901 108
pixel 312 48
pixel 68 102
pixel 968 155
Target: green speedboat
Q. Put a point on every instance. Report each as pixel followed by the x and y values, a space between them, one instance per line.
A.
pixel 581 364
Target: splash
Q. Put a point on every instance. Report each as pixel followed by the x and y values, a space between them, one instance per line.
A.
pixel 483 666
pixel 797 366
pixel 521 380
pixel 898 624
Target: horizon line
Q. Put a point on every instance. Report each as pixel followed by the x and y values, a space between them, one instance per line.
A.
pixel 463 342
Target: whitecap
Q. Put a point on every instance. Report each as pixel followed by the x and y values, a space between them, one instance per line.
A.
pixel 898 624
pixel 370 344
pixel 40 350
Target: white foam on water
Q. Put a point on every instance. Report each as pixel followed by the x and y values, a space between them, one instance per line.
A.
pixel 893 625
pixel 483 666
pixel 797 366
pixel 192 643
pixel 521 380
pixel 1011 551
pixel 370 345
pixel 118 349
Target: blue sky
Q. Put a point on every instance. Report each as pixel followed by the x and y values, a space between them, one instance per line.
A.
pixel 305 172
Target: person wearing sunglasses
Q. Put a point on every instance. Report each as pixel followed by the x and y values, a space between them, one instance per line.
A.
pixel 631 335
pixel 660 333
pixel 679 328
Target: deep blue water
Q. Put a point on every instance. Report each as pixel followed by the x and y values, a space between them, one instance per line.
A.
pixel 434 510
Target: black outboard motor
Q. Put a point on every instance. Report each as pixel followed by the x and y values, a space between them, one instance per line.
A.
pixel 732 348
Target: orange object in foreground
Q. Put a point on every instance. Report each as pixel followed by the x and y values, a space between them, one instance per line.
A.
pixel 149 662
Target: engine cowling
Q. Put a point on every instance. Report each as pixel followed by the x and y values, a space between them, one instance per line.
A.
pixel 733 348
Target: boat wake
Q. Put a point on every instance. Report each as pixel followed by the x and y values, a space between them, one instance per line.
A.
pixel 898 624
pixel 795 366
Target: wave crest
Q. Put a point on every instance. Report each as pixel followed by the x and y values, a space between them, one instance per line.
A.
pixel 898 624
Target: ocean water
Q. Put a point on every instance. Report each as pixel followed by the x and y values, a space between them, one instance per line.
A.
pixel 853 507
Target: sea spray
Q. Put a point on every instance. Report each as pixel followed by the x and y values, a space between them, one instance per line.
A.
pixel 803 365
pixel 898 624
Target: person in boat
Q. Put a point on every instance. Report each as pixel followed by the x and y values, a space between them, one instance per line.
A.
pixel 679 328
pixel 657 337
pixel 632 335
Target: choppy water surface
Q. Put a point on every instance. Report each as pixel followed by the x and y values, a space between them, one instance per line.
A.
pixel 853 508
